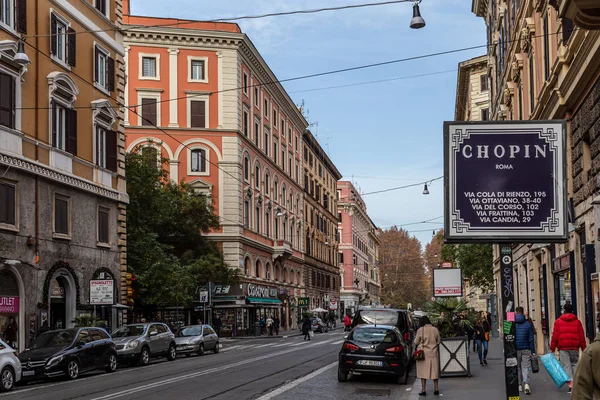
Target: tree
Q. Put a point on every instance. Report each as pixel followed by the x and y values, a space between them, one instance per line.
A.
pixel 433 251
pixel 403 274
pixel 475 262
pixel 167 247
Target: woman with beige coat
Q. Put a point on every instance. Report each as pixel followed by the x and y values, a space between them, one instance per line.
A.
pixel 428 339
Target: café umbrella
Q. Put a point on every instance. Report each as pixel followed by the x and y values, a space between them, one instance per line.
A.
pixel 318 310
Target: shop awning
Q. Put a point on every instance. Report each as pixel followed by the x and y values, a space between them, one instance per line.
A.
pixel 259 300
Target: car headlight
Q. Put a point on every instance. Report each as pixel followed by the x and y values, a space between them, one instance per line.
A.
pixel 55 360
pixel 133 344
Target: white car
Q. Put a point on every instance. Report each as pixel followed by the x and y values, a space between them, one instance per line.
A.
pixel 10 367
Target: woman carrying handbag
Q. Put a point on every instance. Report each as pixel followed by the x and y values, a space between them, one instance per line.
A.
pixel 427 356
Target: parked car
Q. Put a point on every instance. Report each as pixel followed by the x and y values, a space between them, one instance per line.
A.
pixel 137 343
pixel 69 352
pixel 374 350
pixel 318 325
pixel 401 319
pixel 196 339
pixel 10 367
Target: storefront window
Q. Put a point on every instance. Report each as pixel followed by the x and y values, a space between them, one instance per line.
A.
pixel 543 299
pixel 9 309
pixel 564 288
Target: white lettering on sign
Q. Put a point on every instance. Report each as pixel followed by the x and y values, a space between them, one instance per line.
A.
pixel 257 291
pixel 499 151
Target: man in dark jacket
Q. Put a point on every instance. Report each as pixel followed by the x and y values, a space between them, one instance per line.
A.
pixel 568 337
pixel 525 349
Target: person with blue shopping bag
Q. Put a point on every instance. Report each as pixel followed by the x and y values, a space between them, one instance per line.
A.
pixel 525 349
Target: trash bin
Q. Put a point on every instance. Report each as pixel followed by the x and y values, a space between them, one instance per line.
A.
pixel 257 330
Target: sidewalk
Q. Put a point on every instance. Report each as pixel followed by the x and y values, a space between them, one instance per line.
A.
pixel 487 382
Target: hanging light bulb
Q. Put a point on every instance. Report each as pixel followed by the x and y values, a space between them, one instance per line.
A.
pixel 21 58
pixel 417 22
pixel 425 189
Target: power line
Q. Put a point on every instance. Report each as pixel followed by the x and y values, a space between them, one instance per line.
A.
pixel 403 187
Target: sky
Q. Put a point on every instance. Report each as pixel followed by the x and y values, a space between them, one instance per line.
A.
pixel 379 135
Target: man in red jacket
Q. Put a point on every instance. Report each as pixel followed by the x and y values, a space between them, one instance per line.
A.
pixel 568 338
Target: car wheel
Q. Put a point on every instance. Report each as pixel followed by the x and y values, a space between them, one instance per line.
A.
pixel 217 349
pixel 73 369
pixel 342 376
pixel 172 354
pixel 201 349
pixel 144 357
pixel 8 379
pixel 112 363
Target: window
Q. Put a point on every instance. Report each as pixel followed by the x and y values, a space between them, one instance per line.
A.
pixel 295 140
pixel 290 166
pixel 149 67
pixel 546 49
pixel 283 196
pixel 246 122
pixel 256 132
pixel 246 169
pixel 256 96
pixel 246 214
pixel 257 219
pixel 62 41
pixel 484 83
pixel 297 176
pixel 149 112
pixel 268 224
pixel 267 189
pixel 276 191
pixel 104 69
pixel 101 146
pixel 274 118
pixel 485 114
pixel 282 127
pixel 197 70
pixel 198 114
pixel 275 151
pixel 257 177
pixel 245 83
pixel 266 108
pixel 531 83
pixel 103 214
pixel 198 160
pixel 61 215
pixel 567 30
pixel 266 142
pixel 282 157
pixel 64 128
pixel 13 15
pixel 102 6
pixel 8 201
pixel 7 100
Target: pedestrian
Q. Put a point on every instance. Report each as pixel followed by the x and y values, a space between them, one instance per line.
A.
pixel 568 338
pixel 45 328
pixel 428 339
pixel 482 332
pixel 525 349
pixel 261 323
pixel 587 379
pixel 217 324
pixel 10 332
pixel 347 322
pixel 270 325
pixel 306 327
pixel 276 324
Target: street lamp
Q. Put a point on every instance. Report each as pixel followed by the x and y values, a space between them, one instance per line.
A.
pixel 279 213
pixel 417 22
pixel 21 58
pixel 356 282
pixel 425 190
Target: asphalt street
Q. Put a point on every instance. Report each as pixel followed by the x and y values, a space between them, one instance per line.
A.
pixel 252 369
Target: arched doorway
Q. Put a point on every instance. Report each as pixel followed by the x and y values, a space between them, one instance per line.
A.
pixel 62 304
pixel 12 308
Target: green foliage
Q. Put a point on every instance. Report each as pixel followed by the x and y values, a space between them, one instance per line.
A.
pixel 475 261
pixel 88 321
pixel 166 243
pixel 444 313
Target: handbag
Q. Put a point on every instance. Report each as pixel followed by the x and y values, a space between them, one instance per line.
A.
pixel 311 333
pixel 487 336
pixel 418 354
pixel 555 370
pixel 535 364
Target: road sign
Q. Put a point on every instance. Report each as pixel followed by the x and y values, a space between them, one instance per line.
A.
pixel 102 292
pixel 204 296
pixel 505 182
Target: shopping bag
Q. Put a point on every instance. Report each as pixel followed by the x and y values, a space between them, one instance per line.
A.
pixel 555 370
pixel 311 333
pixel 535 364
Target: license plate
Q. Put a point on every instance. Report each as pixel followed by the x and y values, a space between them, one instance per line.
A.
pixel 370 363
pixel 28 373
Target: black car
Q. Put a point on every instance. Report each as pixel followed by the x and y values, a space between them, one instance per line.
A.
pixel 374 350
pixel 69 352
pixel 401 319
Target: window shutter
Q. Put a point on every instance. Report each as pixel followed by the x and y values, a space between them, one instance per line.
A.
pixel 72 132
pixel 21 20
pixel 110 71
pixel 72 46
pixel 53 108
pixel 111 150
pixel 7 204
pixel 53 38
pixel 7 100
pixel 149 112
pixel 96 66
pixel 198 114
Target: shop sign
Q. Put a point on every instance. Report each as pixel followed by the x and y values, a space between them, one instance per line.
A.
pixel 505 182
pixel 333 304
pixel 222 289
pixel 261 291
pixel 9 305
pixel 57 291
pixel 303 302
pixel 102 292
pixel 561 263
pixel 447 282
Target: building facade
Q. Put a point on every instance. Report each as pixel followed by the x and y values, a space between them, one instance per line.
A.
pixel 358 251
pixel 321 224
pixel 198 97
pixel 544 63
pixel 62 178
pixel 473 104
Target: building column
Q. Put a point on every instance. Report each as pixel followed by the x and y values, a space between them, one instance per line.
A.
pixel 174 170
pixel 126 59
pixel 173 87
pixel 220 87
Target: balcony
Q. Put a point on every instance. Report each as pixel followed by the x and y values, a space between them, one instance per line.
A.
pixel 282 250
pixel 584 13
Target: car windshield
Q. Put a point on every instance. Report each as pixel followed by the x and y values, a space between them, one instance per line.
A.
pixel 55 339
pixel 379 317
pixel 189 331
pixel 373 335
pixel 129 330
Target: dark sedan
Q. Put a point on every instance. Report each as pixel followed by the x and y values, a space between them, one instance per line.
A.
pixel 69 352
pixel 374 350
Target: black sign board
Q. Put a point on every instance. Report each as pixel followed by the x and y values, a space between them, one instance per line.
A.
pixel 505 182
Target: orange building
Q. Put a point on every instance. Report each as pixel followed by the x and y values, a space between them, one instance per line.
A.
pixel 201 97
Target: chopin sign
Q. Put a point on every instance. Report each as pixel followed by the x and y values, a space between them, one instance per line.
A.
pixel 505 181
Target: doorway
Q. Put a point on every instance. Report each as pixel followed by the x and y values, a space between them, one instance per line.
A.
pixel 62 301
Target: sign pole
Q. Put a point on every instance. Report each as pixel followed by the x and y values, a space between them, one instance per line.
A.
pixel 511 372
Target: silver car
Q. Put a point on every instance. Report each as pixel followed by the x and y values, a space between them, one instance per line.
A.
pixel 196 339
pixel 137 343
pixel 10 367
